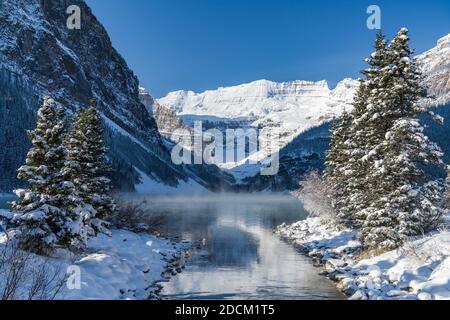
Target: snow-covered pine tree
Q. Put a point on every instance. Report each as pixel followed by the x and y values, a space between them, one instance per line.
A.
pixel 86 167
pixel 396 174
pixel 337 158
pixel 352 199
pixel 40 212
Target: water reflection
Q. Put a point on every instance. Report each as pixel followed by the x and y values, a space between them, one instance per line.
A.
pixel 240 257
pixel 231 247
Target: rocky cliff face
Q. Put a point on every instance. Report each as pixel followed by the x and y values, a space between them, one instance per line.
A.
pixel 168 122
pixel 166 119
pixel 38 52
pixel 436 68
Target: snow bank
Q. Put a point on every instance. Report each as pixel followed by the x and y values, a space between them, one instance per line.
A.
pixel 124 266
pixel 418 270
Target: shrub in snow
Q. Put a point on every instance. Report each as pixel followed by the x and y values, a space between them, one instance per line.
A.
pixel 85 169
pixel 134 216
pixel 316 197
pixel 24 276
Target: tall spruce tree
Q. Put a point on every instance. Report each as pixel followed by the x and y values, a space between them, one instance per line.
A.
pixel 337 157
pixel 86 167
pixel 399 153
pixel 352 199
pixel 40 212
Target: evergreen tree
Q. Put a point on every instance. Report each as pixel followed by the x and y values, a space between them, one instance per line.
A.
pixel 400 152
pixel 352 198
pixel 337 158
pixel 40 211
pixel 367 129
pixel 378 152
pixel 86 167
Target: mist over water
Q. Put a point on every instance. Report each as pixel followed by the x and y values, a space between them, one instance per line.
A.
pixel 240 257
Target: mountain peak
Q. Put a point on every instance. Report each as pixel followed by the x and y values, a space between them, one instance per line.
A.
pixel 288 107
pixel 444 41
pixel 435 64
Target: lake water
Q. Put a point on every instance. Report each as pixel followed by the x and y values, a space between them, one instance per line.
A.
pixel 240 257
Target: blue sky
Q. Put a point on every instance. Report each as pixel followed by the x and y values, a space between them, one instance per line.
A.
pixel 204 44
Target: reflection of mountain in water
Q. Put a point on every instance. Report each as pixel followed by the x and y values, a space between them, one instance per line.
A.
pixel 231 247
pixel 241 257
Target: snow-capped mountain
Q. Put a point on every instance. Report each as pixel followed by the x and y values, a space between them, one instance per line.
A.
pixel 262 99
pixel 295 107
pixel 298 105
pixel 40 56
pixel 436 68
pixel 290 107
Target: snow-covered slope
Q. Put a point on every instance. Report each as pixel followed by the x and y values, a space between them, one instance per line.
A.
pixel 294 107
pixel 289 107
pixel 436 67
pixel 200 176
pixel 123 266
pixel 266 100
pixel 150 186
pixel 298 105
pixel 40 56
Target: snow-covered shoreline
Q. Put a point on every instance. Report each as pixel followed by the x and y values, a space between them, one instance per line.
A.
pixel 418 270
pixel 123 266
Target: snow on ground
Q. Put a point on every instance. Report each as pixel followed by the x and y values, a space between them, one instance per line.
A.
pixel 418 270
pixel 151 186
pixel 123 266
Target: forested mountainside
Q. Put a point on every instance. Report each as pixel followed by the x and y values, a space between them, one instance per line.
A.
pixel 301 111
pixel 308 151
pixel 40 56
